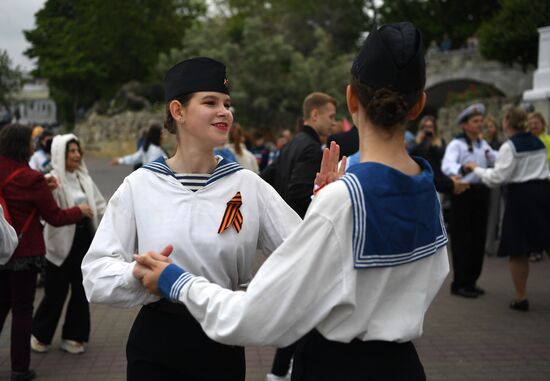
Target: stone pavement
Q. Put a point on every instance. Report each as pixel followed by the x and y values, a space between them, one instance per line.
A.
pixel 464 339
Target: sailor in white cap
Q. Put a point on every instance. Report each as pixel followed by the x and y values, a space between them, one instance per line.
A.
pixel 469 210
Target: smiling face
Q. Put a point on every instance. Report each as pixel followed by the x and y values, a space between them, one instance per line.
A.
pixel 73 157
pixel 206 119
pixel 536 126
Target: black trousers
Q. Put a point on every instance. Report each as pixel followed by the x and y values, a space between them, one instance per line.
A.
pixel 468 223
pixel 281 361
pixel 169 345
pixel 17 290
pixel 56 287
pixel 319 359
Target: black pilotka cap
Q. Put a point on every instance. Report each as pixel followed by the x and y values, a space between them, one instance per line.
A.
pixel 195 74
pixel 392 56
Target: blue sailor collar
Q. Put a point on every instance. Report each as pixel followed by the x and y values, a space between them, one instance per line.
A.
pixel 224 168
pixel 463 136
pixel 526 143
pixel 396 218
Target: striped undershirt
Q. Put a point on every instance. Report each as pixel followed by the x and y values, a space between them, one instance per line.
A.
pixel 193 181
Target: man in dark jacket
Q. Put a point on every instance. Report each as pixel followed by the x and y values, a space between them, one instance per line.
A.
pixel 292 174
pixel 348 141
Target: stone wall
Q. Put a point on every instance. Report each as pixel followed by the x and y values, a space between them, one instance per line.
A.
pixel 446 117
pixel 117 135
pixel 465 64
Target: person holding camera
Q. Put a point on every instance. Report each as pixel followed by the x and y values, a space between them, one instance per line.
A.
pixel 430 146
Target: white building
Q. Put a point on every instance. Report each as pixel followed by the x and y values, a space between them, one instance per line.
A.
pixel 33 104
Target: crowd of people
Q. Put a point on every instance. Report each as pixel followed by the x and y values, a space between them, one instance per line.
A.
pixel 352 268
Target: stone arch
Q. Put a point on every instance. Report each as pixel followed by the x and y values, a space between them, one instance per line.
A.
pixel 460 65
pixel 437 93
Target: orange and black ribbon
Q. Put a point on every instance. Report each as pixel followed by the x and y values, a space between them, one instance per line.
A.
pixel 232 215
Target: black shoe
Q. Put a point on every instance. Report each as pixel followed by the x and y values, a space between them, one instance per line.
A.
pixel 23 376
pixel 522 305
pixel 476 289
pixel 464 292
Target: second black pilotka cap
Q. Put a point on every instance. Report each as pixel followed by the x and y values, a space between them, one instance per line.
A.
pixel 392 56
pixel 195 74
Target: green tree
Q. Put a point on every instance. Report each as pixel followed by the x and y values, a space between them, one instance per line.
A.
pixel 511 36
pixel 89 48
pixel 297 20
pixel 269 77
pixel 459 19
pixel 10 80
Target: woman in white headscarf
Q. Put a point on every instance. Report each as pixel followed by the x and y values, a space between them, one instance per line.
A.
pixel 65 248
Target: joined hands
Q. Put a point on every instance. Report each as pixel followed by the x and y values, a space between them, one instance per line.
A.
pixel 149 266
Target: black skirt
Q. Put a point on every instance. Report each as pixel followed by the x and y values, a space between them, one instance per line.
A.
pixel 319 359
pixel 166 343
pixel 526 221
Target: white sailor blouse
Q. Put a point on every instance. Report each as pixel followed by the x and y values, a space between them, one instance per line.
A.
pixel 520 159
pixel 372 279
pixel 152 209
pixel 461 151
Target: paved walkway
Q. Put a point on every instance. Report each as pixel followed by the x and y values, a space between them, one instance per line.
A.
pixel 464 339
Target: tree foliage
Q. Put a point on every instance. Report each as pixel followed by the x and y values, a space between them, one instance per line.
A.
pixel 269 77
pixel 10 80
pixel 276 51
pixel 511 36
pixel 297 20
pixel 88 48
pixel 459 19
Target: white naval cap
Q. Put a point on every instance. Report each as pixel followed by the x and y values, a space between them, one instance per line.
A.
pixel 477 108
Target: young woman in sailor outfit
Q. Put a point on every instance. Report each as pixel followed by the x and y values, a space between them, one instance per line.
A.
pixel 522 165
pixel 213 215
pixel 359 273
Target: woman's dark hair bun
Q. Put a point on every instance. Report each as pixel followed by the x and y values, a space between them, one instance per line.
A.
pixel 387 108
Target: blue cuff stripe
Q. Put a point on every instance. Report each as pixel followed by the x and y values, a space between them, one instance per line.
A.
pixel 176 287
pixel 169 278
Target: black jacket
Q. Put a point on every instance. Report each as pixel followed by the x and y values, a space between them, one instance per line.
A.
pixel 292 174
pixel 348 141
pixel 434 156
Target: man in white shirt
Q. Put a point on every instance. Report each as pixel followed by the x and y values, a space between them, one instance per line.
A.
pixel 469 210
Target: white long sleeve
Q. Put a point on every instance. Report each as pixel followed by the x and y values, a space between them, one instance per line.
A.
pixel 133 158
pixel 107 267
pixel 450 165
pixel 504 167
pixel 511 167
pixel 151 210
pixel 459 153
pixel 310 282
pixel 140 156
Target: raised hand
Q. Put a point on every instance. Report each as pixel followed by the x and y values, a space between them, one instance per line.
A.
pixel 329 171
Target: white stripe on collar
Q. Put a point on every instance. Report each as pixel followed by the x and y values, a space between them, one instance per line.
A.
pixel 380 253
pixel 224 168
